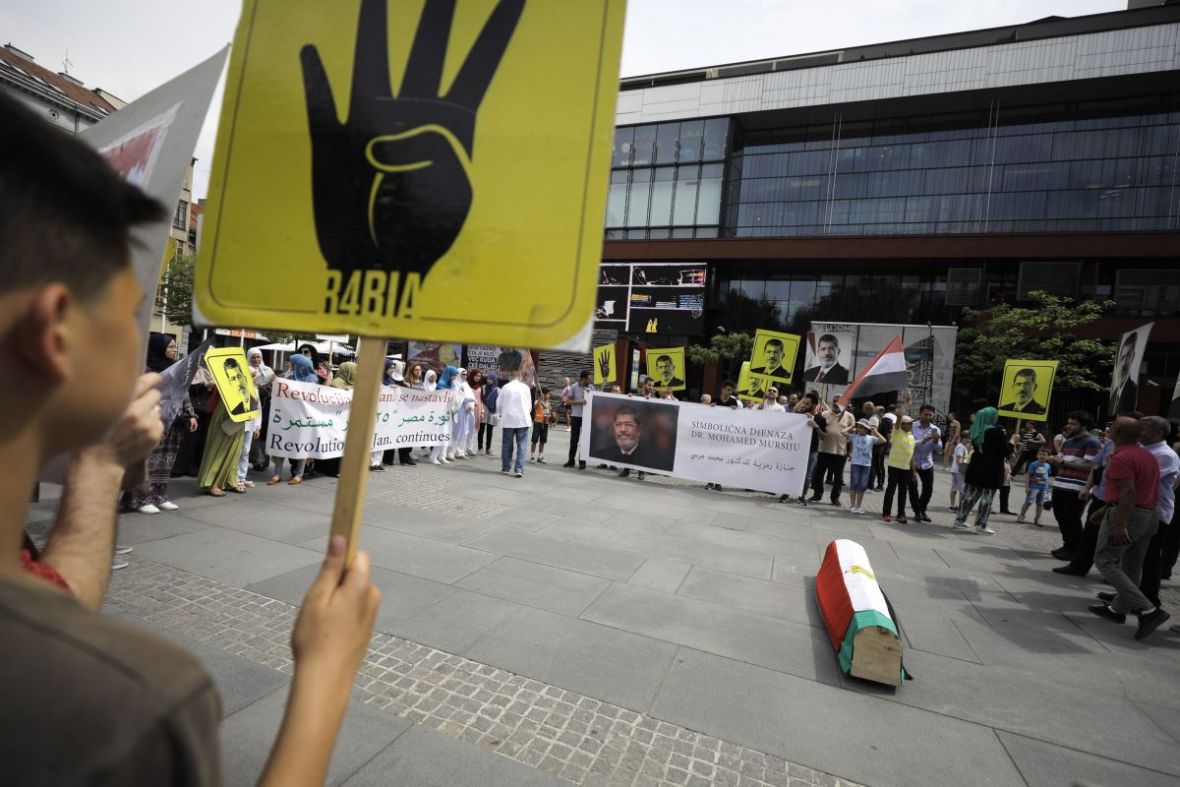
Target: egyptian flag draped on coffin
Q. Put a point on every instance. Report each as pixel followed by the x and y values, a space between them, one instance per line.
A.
pixel 857 616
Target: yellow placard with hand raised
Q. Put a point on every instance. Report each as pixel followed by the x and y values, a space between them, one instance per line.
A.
pixel 1027 389
pixel 235 384
pixel 418 168
pixel 604 364
pixel 665 367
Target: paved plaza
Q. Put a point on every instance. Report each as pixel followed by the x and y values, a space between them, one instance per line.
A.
pixel 578 627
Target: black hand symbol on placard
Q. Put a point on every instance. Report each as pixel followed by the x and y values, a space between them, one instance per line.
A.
pixel 604 365
pixel 390 185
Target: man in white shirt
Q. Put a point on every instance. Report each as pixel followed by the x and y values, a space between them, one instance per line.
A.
pixel 577 401
pixel 515 409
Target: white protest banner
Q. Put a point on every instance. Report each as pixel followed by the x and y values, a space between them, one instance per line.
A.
pixel 749 449
pixel 310 420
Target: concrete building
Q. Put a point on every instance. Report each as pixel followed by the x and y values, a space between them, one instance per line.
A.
pixel 938 173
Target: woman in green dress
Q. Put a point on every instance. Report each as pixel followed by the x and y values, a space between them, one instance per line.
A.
pixel 223 449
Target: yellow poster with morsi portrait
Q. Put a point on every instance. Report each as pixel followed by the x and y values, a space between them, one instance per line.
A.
pixel 604 364
pixel 773 355
pixel 234 383
pixel 666 368
pixel 750 387
pixel 1027 388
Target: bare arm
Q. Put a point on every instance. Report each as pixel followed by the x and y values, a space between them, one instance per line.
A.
pixel 80 545
pixel 1122 513
pixel 330 640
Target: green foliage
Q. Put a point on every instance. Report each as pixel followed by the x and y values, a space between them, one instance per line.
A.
pixel 1042 332
pixel 174 294
pixel 728 350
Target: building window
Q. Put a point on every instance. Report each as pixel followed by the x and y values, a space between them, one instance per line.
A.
pixel 180 220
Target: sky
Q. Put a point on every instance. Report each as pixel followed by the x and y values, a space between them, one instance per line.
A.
pixel 128 47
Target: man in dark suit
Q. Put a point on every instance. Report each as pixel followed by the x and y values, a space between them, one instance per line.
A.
pixel 773 366
pixel 829 370
pixel 1124 393
pixel 668 378
pixel 237 378
pixel 629 447
pixel 1026 389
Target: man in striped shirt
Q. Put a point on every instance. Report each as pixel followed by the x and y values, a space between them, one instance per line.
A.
pixel 1079 455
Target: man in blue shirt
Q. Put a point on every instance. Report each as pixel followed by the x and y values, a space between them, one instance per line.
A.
pixel 926 438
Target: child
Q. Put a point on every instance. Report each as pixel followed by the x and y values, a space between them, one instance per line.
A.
pixel 864 437
pixel 959 460
pixel 542 411
pixel 1037 484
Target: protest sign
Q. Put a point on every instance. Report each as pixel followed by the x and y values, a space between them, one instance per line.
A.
pixel 434 355
pixel 1027 388
pixel 234 384
pixel 604 364
pixel 665 367
pixel 773 355
pixel 750 387
pixel 1124 384
pixel 342 201
pixel 311 421
pixel 174 383
pixel 749 449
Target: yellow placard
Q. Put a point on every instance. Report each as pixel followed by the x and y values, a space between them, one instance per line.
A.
pixel 1027 388
pixel 751 387
pixel 665 367
pixel 774 354
pixel 604 364
pixel 234 382
pixel 414 168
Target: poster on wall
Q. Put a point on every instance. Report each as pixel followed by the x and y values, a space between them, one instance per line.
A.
pixel 750 449
pixel 1027 389
pixel 1128 359
pixel 652 298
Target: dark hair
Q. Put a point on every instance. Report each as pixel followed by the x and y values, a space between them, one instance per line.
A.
pixel 231 362
pixel 631 411
pixel 1132 338
pixel 584 373
pixel 65 215
pixel 663 358
pixel 509 361
pixel 729 383
pixel 1026 372
pixel 777 342
pixel 1082 417
pixel 828 337
pixel 926 407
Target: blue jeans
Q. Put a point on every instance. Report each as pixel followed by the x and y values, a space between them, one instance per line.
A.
pixel 509 435
pixel 860 478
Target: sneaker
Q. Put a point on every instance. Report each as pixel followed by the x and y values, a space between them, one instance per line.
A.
pixel 1150 621
pixel 960 526
pixel 435 462
pixel 540 460
pixel 901 520
pixel 642 475
pixel 122 549
pixel 854 510
pixel 532 459
pixel 624 472
pixel 1104 611
pixel 568 464
pixel 377 468
pixel 168 505
pixel 803 502
pixel 886 518
pixel 1021 520
pixel 1069 570
pixel 1105 596
pixel 504 472
pixel 953 508
pixel 581 465
pixel 119 563
pixel 518 474
pixel 837 503
pixel 445 461
pixel 985 531
pixel 813 499
pixel 148 509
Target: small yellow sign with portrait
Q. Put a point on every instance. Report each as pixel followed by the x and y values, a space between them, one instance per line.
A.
pixel 773 355
pixel 235 384
pixel 604 364
pixel 751 387
pixel 1027 388
pixel 665 367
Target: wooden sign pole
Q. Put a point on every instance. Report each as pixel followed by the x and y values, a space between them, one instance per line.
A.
pixel 358 444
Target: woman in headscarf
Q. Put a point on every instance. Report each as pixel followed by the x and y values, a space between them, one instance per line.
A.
pixel 441 454
pixel 301 371
pixel 346 379
pixel 223 452
pixel 263 377
pixel 395 379
pixel 487 419
pixel 985 472
pixel 475 380
pixel 430 381
pixel 462 410
pixel 162 354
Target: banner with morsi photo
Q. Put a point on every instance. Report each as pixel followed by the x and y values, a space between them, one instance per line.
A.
pixel 749 449
pixel 310 421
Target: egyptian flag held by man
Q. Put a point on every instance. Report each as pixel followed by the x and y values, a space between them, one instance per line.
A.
pixel 886 373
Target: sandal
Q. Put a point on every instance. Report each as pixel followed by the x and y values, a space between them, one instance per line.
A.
pixel 248 484
pixel 296 480
pixel 237 489
pixel 216 492
pixel 273 480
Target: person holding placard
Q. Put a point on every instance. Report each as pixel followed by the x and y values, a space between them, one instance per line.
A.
pixel 223 450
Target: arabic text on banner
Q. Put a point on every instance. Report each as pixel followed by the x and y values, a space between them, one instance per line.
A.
pixel 310 420
pixel 749 449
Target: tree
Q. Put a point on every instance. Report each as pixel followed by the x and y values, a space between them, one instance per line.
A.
pixel 174 294
pixel 1042 332
pixel 727 350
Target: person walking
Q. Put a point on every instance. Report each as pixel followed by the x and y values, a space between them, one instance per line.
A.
pixel 985 472
pixel 1078 456
pixel 1093 495
pixel 900 466
pixel 1154 432
pixel 927 437
pixel 1132 490
pixel 515 414
pixel 576 403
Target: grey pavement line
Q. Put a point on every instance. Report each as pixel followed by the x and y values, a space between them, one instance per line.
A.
pixel 562 733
